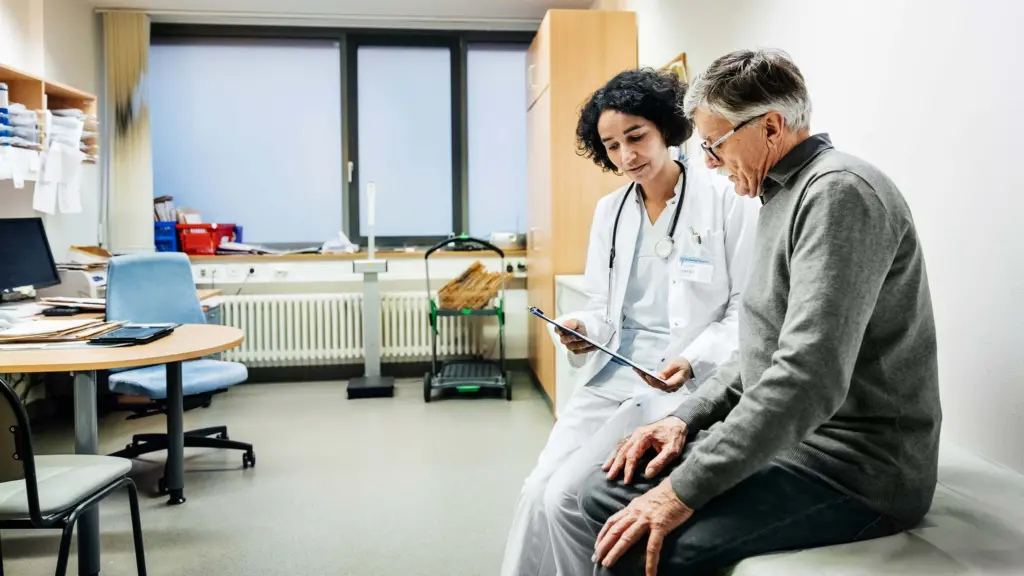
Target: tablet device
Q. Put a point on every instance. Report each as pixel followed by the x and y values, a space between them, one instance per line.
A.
pixel 135 334
pixel 617 358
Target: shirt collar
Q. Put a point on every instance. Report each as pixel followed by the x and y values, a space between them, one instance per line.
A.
pixel 675 191
pixel 792 163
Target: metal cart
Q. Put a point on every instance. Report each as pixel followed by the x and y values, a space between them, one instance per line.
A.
pixel 466 375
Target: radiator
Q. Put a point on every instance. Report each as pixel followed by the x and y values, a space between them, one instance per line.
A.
pixel 318 329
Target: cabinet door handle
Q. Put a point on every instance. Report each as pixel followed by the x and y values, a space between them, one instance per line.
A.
pixel 529 76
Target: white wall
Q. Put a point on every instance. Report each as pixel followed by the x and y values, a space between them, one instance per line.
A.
pixel 21 47
pixel 21 35
pixel 930 93
pixel 59 40
pixel 73 56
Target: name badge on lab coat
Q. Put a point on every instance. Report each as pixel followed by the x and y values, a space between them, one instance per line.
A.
pixel 696 269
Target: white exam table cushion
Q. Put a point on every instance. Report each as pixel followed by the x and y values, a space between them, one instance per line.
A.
pixel 975 526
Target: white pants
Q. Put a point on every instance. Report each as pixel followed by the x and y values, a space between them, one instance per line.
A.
pixel 548 534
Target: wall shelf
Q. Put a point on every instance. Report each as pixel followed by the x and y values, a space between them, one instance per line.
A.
pixel 41 94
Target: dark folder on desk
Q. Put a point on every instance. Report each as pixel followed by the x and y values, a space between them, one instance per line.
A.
pixel 135 334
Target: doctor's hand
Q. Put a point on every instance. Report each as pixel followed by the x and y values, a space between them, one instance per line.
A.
pixel 666 436
pixel 574 344
pixel 655 515
pixel 676 373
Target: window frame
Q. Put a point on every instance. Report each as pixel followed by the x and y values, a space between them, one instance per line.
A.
pixel 349 39
pixel 465 125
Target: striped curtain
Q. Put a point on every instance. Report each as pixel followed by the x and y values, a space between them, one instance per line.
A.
pixel 130 167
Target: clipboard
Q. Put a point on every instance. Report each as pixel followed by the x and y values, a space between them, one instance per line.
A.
pixel 616 358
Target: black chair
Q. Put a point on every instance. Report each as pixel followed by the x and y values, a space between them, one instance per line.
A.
pixel 52 492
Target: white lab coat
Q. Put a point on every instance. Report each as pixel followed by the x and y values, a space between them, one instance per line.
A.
pixel 547 527
pixel 704 317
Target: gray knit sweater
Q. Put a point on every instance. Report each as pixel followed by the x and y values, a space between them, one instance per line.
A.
pixel 837 371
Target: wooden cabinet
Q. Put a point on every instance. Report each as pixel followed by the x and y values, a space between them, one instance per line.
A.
pixel 538 64
pixel 574 53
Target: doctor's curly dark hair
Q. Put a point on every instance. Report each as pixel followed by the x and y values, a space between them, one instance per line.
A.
pixel 645 92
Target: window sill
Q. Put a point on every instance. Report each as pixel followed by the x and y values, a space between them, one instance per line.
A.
pixel 382 254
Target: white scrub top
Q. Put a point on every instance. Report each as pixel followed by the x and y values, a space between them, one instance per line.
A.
pixel 646 331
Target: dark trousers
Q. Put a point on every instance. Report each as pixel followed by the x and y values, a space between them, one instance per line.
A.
pixel 779 508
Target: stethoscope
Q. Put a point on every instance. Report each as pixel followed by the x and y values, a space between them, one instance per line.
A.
pixel 662 248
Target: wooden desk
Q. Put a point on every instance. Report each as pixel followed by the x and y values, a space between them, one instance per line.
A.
pixel 186 343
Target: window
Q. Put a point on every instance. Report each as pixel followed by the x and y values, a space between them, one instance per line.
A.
pixel 248 131
pixel 405 139
pixel 280 130
pixel 496 129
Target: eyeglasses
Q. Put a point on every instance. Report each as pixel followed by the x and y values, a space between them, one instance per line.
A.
pixel 709 149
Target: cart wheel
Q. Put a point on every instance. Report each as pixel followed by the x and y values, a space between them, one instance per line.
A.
pixel 508 386
pixel 427 390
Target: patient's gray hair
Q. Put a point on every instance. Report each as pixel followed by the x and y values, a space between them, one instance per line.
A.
pixel 747 83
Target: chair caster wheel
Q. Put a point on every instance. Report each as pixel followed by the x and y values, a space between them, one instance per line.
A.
pixel 223 436
pixel 249 460
pixel 161 486
pixel 177 497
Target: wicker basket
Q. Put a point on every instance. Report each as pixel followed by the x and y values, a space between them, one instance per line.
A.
pixel 473 289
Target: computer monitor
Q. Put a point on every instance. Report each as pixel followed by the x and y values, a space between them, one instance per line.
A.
pixel 25 257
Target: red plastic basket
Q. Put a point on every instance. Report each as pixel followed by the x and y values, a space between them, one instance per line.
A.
pixel 203 239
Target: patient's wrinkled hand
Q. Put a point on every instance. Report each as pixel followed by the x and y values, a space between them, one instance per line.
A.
pixel 653 515
pixel 666 436
pixel 572 342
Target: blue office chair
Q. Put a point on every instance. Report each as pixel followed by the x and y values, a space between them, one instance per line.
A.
pixel 154 288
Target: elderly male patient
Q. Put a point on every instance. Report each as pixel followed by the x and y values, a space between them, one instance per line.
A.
pixel 825 427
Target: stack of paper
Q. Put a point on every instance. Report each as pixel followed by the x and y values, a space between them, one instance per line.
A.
pixel 89 255
pixel 83 303
pixel 56 330
pixel 163 209
pixel 21 127
pixel 78 266
pixel 228 248
pixel 21 310
pixel 73 128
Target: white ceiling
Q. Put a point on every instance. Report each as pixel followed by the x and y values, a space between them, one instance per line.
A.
pixel 499 14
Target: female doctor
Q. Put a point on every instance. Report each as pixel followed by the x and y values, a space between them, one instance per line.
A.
pixel 666 266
